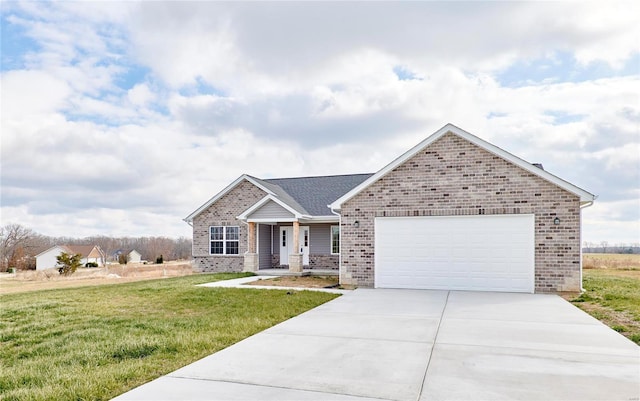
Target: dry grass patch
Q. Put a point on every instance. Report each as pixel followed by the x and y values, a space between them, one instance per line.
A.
pixel 610 261
pixel 299 281
pixel 32 280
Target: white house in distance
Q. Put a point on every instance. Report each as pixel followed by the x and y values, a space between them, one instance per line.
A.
pixel 133 256
pixel 89 253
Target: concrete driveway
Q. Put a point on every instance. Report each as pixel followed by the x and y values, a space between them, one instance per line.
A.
pixel 418 345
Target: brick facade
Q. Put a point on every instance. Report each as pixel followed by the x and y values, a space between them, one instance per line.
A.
pixel 316 261
pixel 324 262
pixel 452 176
pixel 223 213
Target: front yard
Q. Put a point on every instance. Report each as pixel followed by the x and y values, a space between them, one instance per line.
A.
pixel 93 343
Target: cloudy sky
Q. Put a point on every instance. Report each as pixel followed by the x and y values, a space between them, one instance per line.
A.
pixel 121 118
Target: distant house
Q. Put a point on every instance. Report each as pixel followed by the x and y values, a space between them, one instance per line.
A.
pixel 133 256
pixel 89 253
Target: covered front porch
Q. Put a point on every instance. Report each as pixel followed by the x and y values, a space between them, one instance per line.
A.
pixel 292 247
pixel 281 239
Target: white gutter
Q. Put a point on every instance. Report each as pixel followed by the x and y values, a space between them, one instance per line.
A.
pixel 586 205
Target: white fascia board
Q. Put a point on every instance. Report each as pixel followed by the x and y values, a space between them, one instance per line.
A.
pixel 584 195
pixel 272 221
pixel 322 219
pixel 266 199
pixel 222 193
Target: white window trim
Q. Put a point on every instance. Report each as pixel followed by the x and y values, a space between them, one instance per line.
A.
pixel 224 242
pixel 331 240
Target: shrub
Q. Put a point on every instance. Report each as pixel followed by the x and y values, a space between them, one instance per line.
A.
pixel 122 259
pixel 68 264
pixel 159 260
pixel 91 264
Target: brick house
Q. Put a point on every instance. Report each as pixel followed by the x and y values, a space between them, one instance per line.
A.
pixel 454 212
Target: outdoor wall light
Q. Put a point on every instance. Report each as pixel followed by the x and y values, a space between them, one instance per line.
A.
pixel 556 221
pixel 356 224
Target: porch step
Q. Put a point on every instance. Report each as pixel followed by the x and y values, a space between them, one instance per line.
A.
pixel 307 272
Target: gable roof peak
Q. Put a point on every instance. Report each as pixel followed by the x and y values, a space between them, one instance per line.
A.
pixel 585 197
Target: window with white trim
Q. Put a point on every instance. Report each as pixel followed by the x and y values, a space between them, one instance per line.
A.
pixel 335 240
pixel 224 240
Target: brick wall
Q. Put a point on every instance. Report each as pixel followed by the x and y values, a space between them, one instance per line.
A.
pixel 316 261
pixel 323 262
pixel 452 176
pixel 223 213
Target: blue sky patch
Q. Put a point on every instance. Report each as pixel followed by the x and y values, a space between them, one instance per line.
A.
pixel 134 75
pixel 562 67
pixel 404 74
pixel 201 87
pixel 562 117
pixel 15 45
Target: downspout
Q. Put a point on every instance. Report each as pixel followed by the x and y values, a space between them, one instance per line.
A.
pixel 340 234
pixel 586 205
pixel 190 223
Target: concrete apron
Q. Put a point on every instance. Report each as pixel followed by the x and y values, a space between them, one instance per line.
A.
pixel 418 345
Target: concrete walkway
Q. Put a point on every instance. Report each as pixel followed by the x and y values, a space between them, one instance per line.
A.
pixel 418 345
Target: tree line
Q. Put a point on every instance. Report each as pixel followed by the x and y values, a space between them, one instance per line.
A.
pixel 19 246
pixel 605 247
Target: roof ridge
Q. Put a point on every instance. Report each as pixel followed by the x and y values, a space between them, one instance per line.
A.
pixel 314 176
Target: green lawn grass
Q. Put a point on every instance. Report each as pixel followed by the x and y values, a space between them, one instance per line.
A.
pixel 613 296
pixel 93 343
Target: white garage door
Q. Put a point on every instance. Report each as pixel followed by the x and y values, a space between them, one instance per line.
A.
pixel 478 253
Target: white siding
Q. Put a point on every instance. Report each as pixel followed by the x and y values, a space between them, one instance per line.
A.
pixel 271 210
pixel 264 246
pixel 47 259
pixel 320 239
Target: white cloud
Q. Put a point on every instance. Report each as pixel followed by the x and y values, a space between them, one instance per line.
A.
pixel 285 89
pixel 140 95
pixel 28 93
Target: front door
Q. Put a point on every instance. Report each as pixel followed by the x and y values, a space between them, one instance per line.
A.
pixel 286 244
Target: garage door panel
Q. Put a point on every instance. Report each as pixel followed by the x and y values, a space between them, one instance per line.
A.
pixel 492 253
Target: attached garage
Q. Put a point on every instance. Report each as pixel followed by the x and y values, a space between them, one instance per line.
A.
pixel 458 213
pixel 478 253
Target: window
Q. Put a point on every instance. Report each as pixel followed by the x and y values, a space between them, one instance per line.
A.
pixel 224 240
pixel 335 240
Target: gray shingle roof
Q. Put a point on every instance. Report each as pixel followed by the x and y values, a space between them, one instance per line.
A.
pixel 313 194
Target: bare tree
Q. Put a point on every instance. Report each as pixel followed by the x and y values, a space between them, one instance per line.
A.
pixel 604 245
pixel 14 244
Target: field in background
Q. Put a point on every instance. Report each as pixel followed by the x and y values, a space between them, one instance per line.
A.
pixel 32 280
pixel 611 261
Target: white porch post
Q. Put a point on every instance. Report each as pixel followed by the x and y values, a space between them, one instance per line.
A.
pixel 295 259
pixel 251 238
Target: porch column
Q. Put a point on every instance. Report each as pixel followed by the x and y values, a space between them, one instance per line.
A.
pixel 251 257
pixel 295 259
pixel 251 238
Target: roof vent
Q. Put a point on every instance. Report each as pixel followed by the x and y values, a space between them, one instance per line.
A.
pixel 538 165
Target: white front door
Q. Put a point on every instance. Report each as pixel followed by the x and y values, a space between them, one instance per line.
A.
pixel 304 245
pixel 286 244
